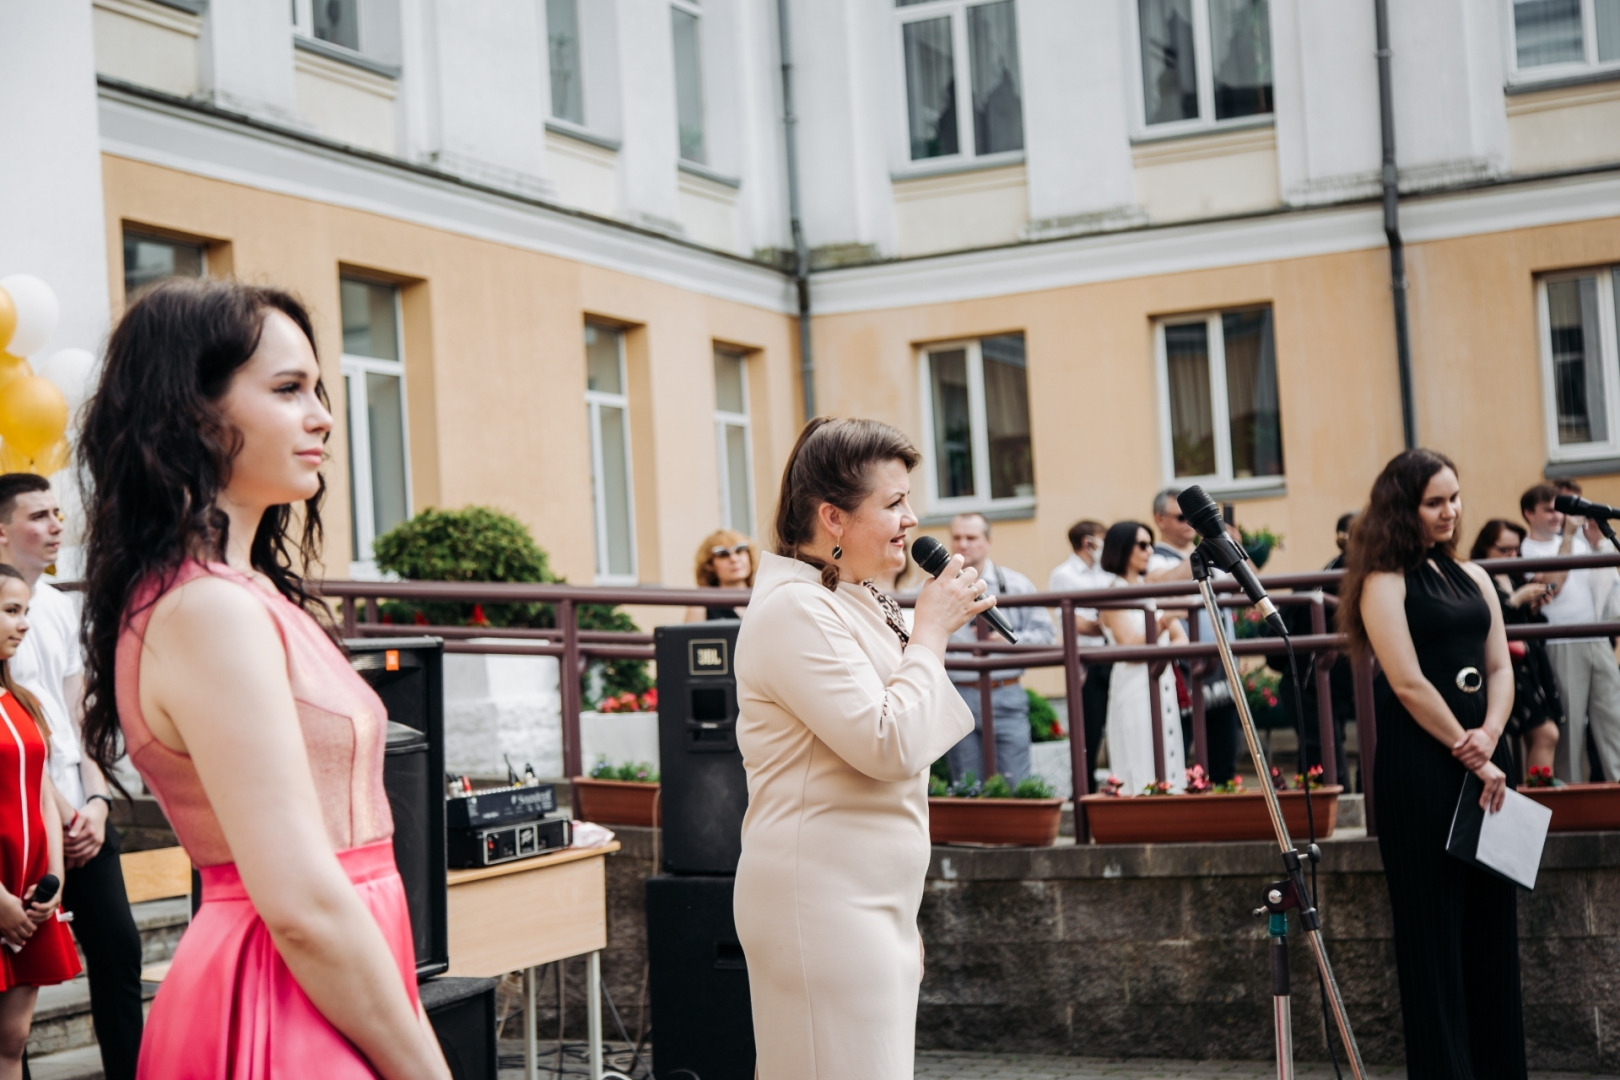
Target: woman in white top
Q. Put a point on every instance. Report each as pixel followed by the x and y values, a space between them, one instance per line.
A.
pixel 1125 553
pixel 841 712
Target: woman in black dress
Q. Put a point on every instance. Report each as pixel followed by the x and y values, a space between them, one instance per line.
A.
pixel 1537 712
pixel 1444 698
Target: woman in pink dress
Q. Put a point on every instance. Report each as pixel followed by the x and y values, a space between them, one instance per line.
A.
pixel 39 950
pixel 238 709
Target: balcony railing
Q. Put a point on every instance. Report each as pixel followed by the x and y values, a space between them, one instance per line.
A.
pixel 575 648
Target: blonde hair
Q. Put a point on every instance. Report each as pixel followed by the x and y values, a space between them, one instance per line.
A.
pixel 703 564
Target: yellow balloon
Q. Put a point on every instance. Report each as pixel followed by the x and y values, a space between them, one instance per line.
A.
pixel 55 457
pixel 14 460
pixel 8 318
pixel 11 367
pixel 33 414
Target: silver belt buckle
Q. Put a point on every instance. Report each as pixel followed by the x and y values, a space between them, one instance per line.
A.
pixel 1469 680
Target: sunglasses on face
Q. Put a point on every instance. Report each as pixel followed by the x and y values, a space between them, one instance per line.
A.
pixel 719 552
pixel 1506 549
pixel 1144 545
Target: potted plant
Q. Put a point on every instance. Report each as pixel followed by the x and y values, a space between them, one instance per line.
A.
pixel 1259 543
pixel 994 812
pixel 625 794
pixel 1208 812
pixel 1575 807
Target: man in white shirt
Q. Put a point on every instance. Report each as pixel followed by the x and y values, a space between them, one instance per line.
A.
pixel 1588 678
pixel 50 665
pixel 1076 573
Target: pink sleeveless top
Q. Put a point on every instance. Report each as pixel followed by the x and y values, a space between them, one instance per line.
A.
pixel 342 719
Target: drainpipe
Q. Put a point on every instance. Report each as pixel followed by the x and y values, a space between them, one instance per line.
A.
pixel 801 251
pixel 1392 224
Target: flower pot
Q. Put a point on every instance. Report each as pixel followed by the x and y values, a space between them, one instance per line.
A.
pixel 1579 807
pixel 1196 819
pixel 615 802
pixel 1024 822
pixel 1259 552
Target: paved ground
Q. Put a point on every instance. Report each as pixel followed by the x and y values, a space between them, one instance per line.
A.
pixel 938 1065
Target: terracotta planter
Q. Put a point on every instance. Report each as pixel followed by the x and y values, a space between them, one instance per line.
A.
pixel 1195 819
pixel 615 802
pixel 1579 807
pixel 1023 822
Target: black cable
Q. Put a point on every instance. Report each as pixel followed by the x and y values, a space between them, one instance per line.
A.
pixel 1310 826
pixel 623 1034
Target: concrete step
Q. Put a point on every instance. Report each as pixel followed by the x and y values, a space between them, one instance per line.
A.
pixel 81 1063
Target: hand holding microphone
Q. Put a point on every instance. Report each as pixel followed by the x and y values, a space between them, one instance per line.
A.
pixel 934 560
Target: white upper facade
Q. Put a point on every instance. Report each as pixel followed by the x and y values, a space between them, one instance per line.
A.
pixel 925 126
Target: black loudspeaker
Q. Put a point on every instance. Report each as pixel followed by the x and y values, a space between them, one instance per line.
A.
pixel 462 1012
pixel 703 789
pixel 698 989
pixel 408 674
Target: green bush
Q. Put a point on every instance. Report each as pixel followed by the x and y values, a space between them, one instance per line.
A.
pixel 1043 719
pixel 640 772
pixel 997 787
pixel 477 544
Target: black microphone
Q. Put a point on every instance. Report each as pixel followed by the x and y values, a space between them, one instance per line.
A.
pixel 933 558
pixel 1579 507
pixel 1204 514
pixel 45 889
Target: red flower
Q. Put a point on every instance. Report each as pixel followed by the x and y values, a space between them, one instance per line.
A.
pixel 420 619
pixel 649 700
pixel 478 618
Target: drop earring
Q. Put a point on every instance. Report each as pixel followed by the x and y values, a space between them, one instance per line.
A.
pixel 838 552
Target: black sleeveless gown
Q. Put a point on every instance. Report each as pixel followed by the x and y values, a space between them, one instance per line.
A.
pixel 1456 927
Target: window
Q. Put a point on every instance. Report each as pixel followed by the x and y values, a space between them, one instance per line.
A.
pixel 732 441
pixel 1204 61
pixel 335 21
pixel 1555 37
pixel 374 387
pixel 1580 369
pixel 689 80
pixel 976 425
pixel 964 88
pixel 608 402
pixel 567 80
pixel 1218 404
pixel 148 259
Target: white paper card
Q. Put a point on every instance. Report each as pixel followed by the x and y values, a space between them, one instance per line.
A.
pixel 1510 840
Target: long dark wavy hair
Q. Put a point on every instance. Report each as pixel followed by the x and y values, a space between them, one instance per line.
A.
pixel 1388 535
pixel 155 451
pixel 831 463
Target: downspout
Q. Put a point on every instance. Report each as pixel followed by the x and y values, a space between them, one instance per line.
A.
pixel 801 251
pixel 1392 224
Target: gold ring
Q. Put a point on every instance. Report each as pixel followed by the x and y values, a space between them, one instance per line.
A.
pixel 1469 680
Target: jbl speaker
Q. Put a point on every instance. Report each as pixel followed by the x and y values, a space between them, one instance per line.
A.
pixel 462 1012
pixel 408 674
pixel 698 987
pixel 703 789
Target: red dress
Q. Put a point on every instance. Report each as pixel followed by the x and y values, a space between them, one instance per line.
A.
pixel 49 956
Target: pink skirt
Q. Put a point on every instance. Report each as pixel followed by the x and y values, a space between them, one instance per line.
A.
pixel 229 1006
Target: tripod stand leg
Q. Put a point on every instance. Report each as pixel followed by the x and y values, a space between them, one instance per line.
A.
pixel 1281 1003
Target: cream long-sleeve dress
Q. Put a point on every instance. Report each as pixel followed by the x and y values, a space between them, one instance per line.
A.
pixel 837 729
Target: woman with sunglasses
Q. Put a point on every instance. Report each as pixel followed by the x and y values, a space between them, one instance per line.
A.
pixel 1537 711
pixel 1126 549
pixel 724 561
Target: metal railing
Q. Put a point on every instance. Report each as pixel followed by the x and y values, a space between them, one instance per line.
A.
pixel 575 648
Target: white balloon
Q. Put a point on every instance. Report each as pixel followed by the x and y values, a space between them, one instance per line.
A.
pixel 36 313
pixel 70 370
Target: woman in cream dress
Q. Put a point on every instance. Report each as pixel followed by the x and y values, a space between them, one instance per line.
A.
pixel 841 714
pixel 1130 722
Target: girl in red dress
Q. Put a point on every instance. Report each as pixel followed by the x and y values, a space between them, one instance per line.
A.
pixel 38 950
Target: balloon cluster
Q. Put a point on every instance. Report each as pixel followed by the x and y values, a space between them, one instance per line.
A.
pixel 34 405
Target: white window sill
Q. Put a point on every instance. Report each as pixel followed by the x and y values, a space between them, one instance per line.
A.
pixel 344 55
pixel 1193 129
pixel 617 580
pixel 1265 487
pixel 692 168
pixel 1560 77
pixel 1604 464
pixel 998 510
pixel 918 170
pixel 571 130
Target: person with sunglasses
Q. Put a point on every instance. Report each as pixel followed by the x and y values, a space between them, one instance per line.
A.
pixel 1538 712
pixel 1080 571
pixel 724 561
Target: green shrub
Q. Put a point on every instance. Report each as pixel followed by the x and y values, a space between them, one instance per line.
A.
pixel 997 787
pixel 1043 719
pixel 640 772
pixel 478 544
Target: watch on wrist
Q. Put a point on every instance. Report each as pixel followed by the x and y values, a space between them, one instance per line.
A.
pixel 104 798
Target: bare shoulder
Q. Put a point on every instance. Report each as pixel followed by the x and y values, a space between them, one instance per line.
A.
pixel 214 615
pixel 1384 585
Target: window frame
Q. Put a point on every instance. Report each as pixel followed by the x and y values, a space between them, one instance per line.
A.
pixel 978 432
pixel 1220 407
pixel 156 236
pixel 1608 357
pixel 724 419
pixel 694 9
pixel 579 49
pixel 1517 76
pixel 303 13
pixel 353 370
pixel 595 400
pixel 962 61
pixel 1203 56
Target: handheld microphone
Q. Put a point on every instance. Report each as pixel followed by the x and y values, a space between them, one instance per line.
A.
pixel 933 558
pixel 1579 507
pixel 45 889
pixel 1204 514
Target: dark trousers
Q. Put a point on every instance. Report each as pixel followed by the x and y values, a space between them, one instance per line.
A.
pixel 1094 702
pixel 1222 738
pixel 105 930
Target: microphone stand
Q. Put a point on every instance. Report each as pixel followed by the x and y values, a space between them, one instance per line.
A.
pixel 1607 529
pixel 1291 892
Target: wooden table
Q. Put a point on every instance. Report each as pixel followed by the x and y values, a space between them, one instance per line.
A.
pixel 520 915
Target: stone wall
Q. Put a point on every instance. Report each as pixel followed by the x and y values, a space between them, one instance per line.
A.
pixel 1151 951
